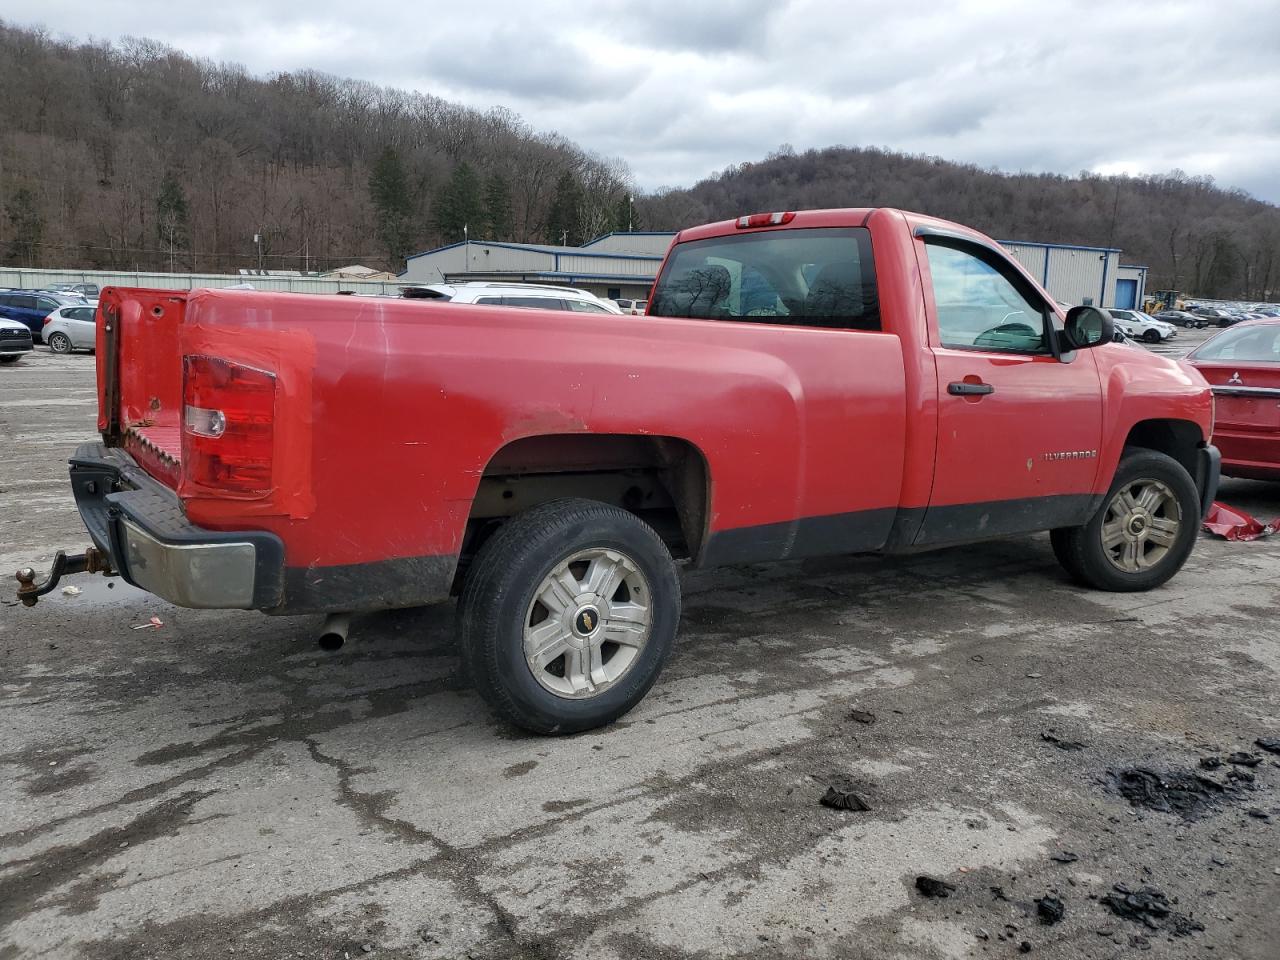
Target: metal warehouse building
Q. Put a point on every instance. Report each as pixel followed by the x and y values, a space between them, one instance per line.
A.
pixel 625 265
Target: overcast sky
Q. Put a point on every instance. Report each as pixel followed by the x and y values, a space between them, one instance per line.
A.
pixel 681 89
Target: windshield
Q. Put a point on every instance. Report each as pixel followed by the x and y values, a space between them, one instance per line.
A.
pixel 812 278
pixel 1259 344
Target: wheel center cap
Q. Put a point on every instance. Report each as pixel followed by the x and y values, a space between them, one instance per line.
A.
pixel 586 621
pixel 1137 525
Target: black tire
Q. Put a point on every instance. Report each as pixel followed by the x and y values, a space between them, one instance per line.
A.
pixel 60 343
pixel 499 592
pixel 1081 552
pixel 11 358
pixel 1151 336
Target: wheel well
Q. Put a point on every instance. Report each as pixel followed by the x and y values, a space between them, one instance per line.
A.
pixel 1179 439
pixel 663 480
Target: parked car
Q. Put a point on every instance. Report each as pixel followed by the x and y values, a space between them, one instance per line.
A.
pixel 1216 315
pixel 87 290
pixel 634 308
pixel 513 295
pixel 1143 326
pixel 32 306
pixel 70 328
pixel 1243 366
pixel 554 469
pixel 1182 319
pixel 15 340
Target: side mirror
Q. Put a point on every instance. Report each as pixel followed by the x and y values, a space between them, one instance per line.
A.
pixel 1087 327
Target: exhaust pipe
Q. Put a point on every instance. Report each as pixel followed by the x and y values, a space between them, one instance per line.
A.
pixel 334 632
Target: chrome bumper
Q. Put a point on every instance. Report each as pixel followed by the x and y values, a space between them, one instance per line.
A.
pixel 140 525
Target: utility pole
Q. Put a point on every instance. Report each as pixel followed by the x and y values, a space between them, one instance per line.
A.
pixel 564 238
pixel 466 247
pixel 257 238
pixel 631 205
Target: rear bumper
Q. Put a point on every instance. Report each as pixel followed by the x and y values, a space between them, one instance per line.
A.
pixel 140 524
pixel 1252 455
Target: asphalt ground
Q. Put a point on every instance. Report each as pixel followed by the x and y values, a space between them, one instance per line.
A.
pixel 216 786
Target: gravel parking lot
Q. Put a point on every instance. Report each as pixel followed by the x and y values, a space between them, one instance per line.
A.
pixel 216 786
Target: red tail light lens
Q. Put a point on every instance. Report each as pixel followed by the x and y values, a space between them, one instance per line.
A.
pixel 766 219
pixel 47 320
pixel 228 425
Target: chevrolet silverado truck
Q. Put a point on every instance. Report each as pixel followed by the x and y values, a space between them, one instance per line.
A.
pixel 802 384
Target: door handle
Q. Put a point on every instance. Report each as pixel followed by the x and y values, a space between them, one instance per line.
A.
pixel 963 388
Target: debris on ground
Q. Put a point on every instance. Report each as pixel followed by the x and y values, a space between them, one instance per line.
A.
pixel 1269 744
pixel 1242 759
pixel 862 716
pixel 1051 909
pixel 933 887
pixel 1150 907
pixel 1051 736
pixel 155 623
pixel 1189 794
pixel 1024 946
pixel 1210 763
pixel 1232 524
pixel 842 800
pixel 71 591
pixel 997 893
pixel 1064 856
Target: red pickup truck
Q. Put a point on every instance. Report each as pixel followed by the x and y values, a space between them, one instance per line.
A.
pixel 821 382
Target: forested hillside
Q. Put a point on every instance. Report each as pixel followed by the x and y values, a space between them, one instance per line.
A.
pixel 135 155
pixel 1194 236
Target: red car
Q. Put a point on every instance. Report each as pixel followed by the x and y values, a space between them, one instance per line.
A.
pixel 1243 365
pixel 803 384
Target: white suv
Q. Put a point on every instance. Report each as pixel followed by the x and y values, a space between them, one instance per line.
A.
pixel 1142 326
pixel 513 295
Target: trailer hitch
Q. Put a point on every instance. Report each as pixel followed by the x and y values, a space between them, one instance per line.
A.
pixel 92 560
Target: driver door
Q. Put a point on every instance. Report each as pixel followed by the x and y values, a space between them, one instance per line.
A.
pixel 1019 426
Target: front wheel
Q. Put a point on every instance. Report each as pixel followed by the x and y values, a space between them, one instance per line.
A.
pixel 10 358
pixel 1144 531
pixel 1151 336
pixel 568 614
pixel 59 343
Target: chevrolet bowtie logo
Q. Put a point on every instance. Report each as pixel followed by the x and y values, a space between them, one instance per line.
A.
pixel 1235 379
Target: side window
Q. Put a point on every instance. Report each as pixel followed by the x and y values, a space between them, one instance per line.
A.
pixel 581 306
pixel 25 302
pixel 81 313
pixel 982 305
pixel 44 303
pixel 539 303
pixel 490 300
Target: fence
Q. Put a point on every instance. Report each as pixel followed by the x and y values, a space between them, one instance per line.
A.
pixel 37 279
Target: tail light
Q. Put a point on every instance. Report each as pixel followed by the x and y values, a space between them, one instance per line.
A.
pixel 228 425
pixel 47 320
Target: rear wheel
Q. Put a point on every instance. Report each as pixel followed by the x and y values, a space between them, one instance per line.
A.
pixel 568 614
pixel 1144 531
pixel 59 343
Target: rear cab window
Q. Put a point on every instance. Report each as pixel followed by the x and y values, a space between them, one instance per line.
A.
pixel 814 277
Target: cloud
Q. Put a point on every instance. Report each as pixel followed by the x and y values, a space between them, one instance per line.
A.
pixel 681 91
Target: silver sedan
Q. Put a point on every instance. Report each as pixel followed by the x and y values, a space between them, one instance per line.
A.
pixel 70 328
